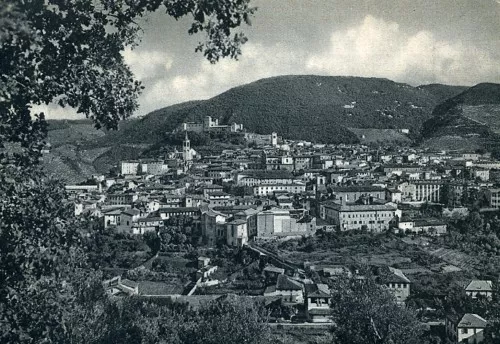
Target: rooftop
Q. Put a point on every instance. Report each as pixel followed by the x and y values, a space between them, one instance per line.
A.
pixel 470 320
pixel 285 283
pixel 478 285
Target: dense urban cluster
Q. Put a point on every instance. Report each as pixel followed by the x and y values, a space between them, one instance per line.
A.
pixel 283 222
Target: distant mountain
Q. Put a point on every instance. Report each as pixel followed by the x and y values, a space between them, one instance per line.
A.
pixel 470 120
pixel 315 108
pixel 442 92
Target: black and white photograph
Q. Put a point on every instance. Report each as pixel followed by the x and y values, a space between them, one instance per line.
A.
pixel 249 171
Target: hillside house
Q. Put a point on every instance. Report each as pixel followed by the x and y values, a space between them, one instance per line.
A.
pixel 478 287
pixel 396 281
pixel 237 233
pixel 290 290
pixel 213 226
pixel 468 328
pixel 317 303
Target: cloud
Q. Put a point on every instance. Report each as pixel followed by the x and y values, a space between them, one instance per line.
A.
pixel 381 49
pixel 147 63
pixel 204 80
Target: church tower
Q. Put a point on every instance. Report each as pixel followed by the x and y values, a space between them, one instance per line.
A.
pixel 186 149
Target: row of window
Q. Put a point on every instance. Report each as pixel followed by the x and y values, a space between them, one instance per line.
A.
pixel 369 215
pixel 362 223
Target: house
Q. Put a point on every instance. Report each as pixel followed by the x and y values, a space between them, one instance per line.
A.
pixel 117 287
pixel 147 224
pixel 397 283
pixel 237 232
pixel 289 290
pixel 478 287
pixel 429 226
pixel 218 198
pixel 334 271
pixel 468 328
pixel 208 189
pixel 213 226
pixel 317 303
pixel 127 218
pixel 393 195
pixel 272 272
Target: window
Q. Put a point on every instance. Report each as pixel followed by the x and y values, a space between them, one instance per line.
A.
pixel 464 331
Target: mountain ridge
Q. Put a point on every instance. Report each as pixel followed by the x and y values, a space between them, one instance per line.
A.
pixel 308 107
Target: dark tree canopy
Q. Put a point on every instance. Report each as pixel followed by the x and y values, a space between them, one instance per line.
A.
pixel 364 312
pixel 69 52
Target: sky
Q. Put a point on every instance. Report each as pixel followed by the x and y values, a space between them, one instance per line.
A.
pixel 454 42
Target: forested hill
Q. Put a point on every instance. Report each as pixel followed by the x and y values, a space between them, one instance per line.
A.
pixel 470 120
pixel 442 92
pixel 318 108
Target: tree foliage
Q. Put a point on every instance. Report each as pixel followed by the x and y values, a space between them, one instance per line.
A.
pixel 69 53
pixel 365 313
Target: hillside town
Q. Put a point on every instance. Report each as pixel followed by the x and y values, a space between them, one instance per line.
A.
pixel 275 198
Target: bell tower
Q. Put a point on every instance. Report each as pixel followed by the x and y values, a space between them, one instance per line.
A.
pixel 186 149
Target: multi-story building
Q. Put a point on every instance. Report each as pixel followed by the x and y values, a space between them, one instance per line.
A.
pixel 221 199
pixel 302 162
pixel 121 198
pixel 349 194
pixel 269 189
pixel 237 232
pixel 129 167
pixel 428 190
pixel 277 162
pixel 256 177
pixel 372 217
pixel 317 303
pixel 493 197
pixel 213 227
pixel 281 222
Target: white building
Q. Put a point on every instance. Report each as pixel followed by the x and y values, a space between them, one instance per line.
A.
pixel 467 329
pixel 371 217
pixel 270 189
pixel 279 222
